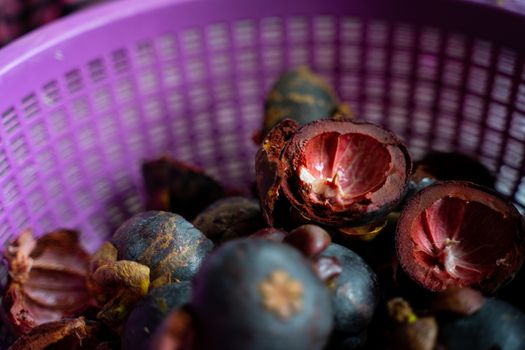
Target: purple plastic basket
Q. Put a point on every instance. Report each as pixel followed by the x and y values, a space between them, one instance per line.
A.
pixel 85 100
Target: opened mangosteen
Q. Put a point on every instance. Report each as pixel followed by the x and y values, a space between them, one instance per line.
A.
pixel 230 218
pixel 48 279
pixel 149 313
pixel 178 187
pixel 334 172
pixel 169 245
pixel 354 291
pixel 303 96
pixel 257 294
pixel 460 234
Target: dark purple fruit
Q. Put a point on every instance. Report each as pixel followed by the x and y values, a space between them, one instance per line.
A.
pixel 355 292
pixel 497 325
pixel 459 234
pixel 177 331
pixel 149 313
pixel 303 96
pixel 230 218
pixel 178 187
pixel 260 295
pixel 324 169
pixel 169 245
pixel 452 167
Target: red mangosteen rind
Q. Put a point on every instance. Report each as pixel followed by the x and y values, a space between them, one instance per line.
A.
pixel 330 178
pixel 268 167
pixel 459 234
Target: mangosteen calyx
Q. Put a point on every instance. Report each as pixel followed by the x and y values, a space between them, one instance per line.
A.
pixel 116 285
pixel 281 294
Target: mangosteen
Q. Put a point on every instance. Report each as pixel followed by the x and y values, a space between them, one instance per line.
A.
pixel 230 218
pixel 457 234
pixel 169 245
pixel 149 313
pixel 259 295
pixel 496 325
pixel 178 187
pixel 48 278
pixel 355 291
pixel 338 173
pixel 452 166
pixel 303 96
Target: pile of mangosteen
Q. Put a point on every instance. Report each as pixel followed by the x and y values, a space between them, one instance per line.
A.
pixel 346 243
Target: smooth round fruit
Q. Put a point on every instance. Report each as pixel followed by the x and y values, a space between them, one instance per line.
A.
pixel 149 313
pixel 169 245
pixel 260 295
pixel 355 292
pixel 230 218
pixel 344 173
pixel 458 234
pixel 497 325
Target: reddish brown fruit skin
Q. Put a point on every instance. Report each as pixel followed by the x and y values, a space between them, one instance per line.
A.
pixel 70 334
pixel 362 211
pixel 459 301
pixel 270 233
pixel 405 247
pixel 48 279
pixel 311 240
pixel 268 166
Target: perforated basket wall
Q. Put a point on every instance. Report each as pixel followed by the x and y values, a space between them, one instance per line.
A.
pixel 84 101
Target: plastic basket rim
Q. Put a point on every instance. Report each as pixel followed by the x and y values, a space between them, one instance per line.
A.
pixel 100 15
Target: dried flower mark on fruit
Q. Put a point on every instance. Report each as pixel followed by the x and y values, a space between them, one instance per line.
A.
pixel 282 294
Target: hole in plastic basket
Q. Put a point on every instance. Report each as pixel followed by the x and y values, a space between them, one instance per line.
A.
pixel 167 47
pixel 10 120
pixel 74 81
pixel 244 33
pixel 191 41
pixel 97 71
pixel 217 37
pixel 51 93
pixel 30 106
pixel 120 60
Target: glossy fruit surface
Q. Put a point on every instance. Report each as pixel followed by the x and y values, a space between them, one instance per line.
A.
pixel 169 245
pixel 497 325
pixel 459 234
pixel 355 292
pixel 149 313
pixel 257 294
